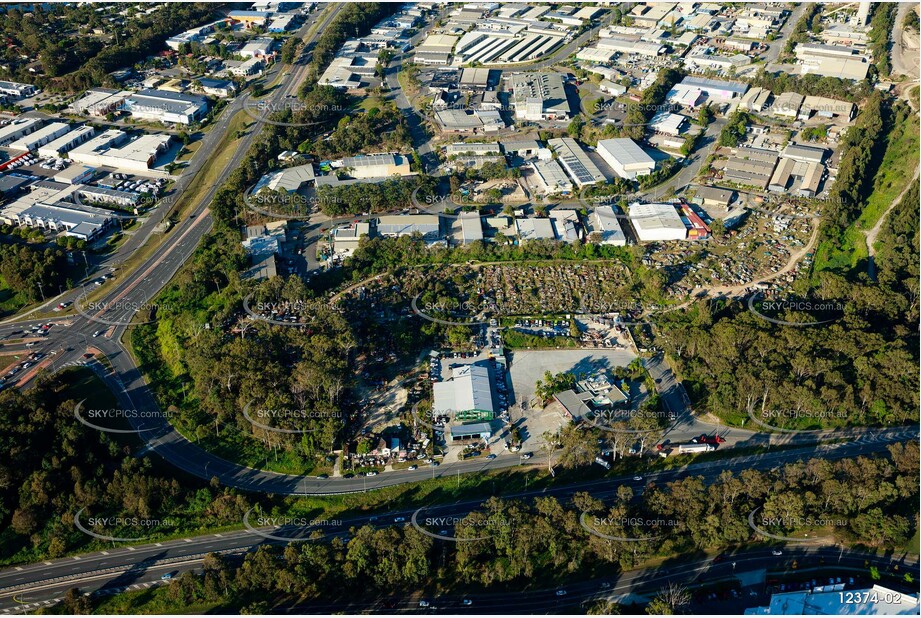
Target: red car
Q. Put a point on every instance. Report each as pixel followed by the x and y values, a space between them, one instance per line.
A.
pixel 88 355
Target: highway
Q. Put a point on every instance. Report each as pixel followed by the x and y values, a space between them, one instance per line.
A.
pixel 136 564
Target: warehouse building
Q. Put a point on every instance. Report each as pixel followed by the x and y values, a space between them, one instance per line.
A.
pixel 714 197
pixel 668 123
pixel 19 128
pixel 99 102
pixel 473 148
pixel 470 431
pixel 539 96
pixel 249 19
pixel 346 238
pixel 826 108
pixel 751 166
pixel 166 107
pixel 75 175
pixel 407 225
pixel 787 105
pixel 657 222
pixel 576 162
pixel 465 396
pixel 471 227
pixel 626 157
pixel 550 177
pixel 379 165
pixel 46 134
pixel 806 154
pixel 715 90
pixel 535 229
pixel 624 45
pixel 605 227
pixel 112 149
pixel 755 100
pixel 289 180
pixel 66 142
pixel 16 90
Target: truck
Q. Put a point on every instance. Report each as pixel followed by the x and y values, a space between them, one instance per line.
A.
pixel 695 448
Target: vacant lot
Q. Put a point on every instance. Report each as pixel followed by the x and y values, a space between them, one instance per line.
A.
pixel 527 367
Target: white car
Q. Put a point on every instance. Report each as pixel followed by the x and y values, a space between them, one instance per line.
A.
pixel 776 552
pixel 637 478
pixel 561 593
pixel 423 603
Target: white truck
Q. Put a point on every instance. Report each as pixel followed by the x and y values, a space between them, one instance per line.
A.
pixel 695 448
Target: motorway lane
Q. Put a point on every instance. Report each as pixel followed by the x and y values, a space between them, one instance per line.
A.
pixel 132 563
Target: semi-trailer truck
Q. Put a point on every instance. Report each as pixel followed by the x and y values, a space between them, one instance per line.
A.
pixel 695 448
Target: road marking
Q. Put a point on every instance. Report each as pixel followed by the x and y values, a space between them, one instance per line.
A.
pixel 77 558
pixel 48 563
pixel 187 540
pixel 18 568
pixel 158 544
pixel 105 553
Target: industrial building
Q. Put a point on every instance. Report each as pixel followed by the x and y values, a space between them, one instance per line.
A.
pixel 539 96
pixel 787 105
pixel 606 225
pixel 535 229
pixel 566 224
pixel 18 128
pixel 99 102
pixel 471 227
pixel 465 396
pixel 407 225
pixel 435 49
pixel 668 123
pixel 576 162
pixel 715 90
pixel 626 157
pixel 656 222
pixel 550 177
pixel 625 45
pixel 250 19
pixel 257 48
pixel 165 106
pixel 806 154
pixel 66 142
pixel 76 175
pixel 755 100
pixel 751 166
pixel 289 179
pixel 714 196
pixel 379 165
pixel 826 108
pixel 345 239
pixel 473 148
pixel 112 149
pixel 16 89
pixel 46 134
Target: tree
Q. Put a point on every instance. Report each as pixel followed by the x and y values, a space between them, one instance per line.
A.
pixel 670 600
